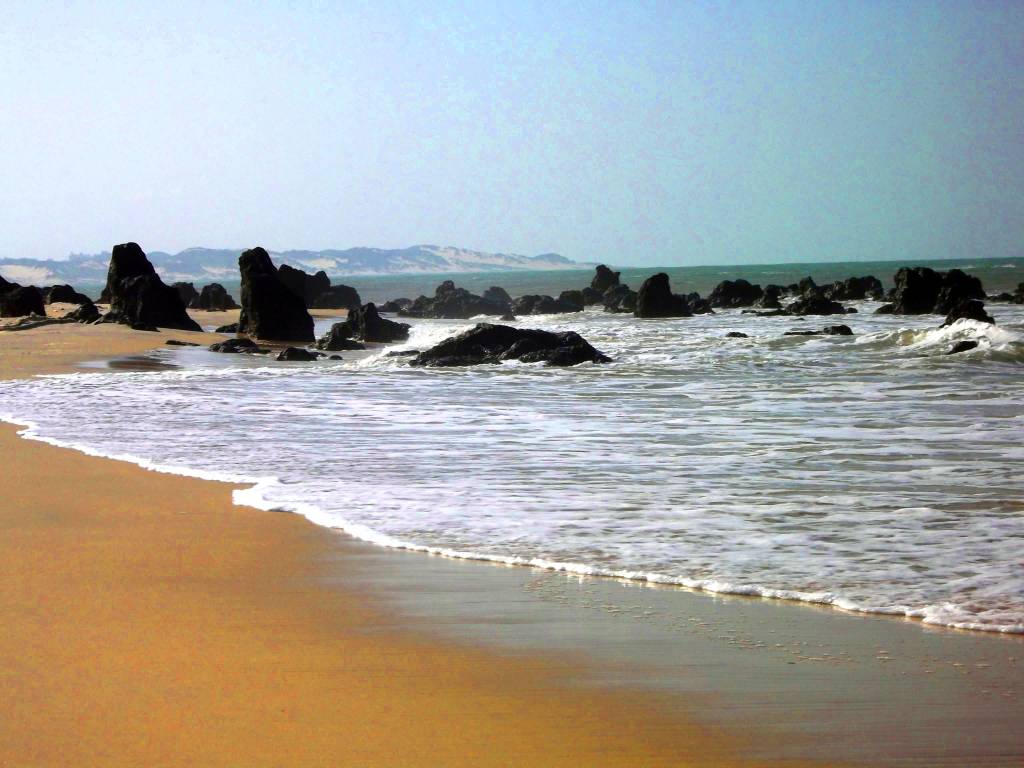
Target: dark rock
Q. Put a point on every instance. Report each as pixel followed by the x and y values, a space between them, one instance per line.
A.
pixel 488 343
pixel 86 313
pixel 735 293
pixel 591 296
pixel 698 305
pixel 534 304
pixel 855 289
pixel 1002 298
pixel 214 298
pixel 177 343
pixel 395 305
pixel 806 287
pixel 572 299
pixel 187 291
pixel 604 279
pixel 968 309
pixel 295 354
pixel 335 357
pixel 837 330
pixel 957 287
pixel 229 328
pixel 144 327
pixel 339 338
pixel 770 297
pixel 962 346
pixel 237 345
pixel 920 290
pixel 619 298
pixel 302 284
pixel 403 353
pixel 269 309
pixel 138 297
pixel 64 294
pixel 337 297
pixel 736 335
pixel 655 299
pixel 453 303
pixel 886 309
pixel 20 301
pixel 802 333
pixel 815 304
pixel 498 296
pixel 508 317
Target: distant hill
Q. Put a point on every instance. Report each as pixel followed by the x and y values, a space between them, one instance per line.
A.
pixel 207 264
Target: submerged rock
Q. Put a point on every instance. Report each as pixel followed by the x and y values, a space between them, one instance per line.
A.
pixel 234 346
pixel 655 299
pixel 489 343
pixel 962 346
pixel 138 297
pixel 270 310
pixel 815 304
pixel 296 354
pixel 736 335
pixel 968 309
pixel 339 338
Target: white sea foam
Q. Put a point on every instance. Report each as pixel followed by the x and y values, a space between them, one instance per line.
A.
pixel 868 473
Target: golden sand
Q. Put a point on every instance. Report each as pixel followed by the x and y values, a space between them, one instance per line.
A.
pixel 145 620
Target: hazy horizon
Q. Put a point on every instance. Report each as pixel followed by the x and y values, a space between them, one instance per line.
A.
pixel 647 135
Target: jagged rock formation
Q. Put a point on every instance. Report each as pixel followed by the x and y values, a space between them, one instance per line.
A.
pixel 453 303
pixel 138 297
pixel 270 310
pixel 488 343
pixel 215 298
pixel 655 299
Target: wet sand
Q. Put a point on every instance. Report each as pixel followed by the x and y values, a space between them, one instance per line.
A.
pixel 146 620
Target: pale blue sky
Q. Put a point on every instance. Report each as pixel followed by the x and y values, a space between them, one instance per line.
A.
pixel 633 133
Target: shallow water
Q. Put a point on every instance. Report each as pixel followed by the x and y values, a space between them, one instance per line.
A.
pixel 872 472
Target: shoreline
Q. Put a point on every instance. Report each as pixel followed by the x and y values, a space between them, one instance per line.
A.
pixel 150 620
pixel 602 674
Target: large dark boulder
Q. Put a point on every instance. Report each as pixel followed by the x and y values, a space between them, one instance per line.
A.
pixel 698 305
pixel 813 303
pixel 269 309
pixel 591 296
pixel 138 297
pixel 655 299
pixel 920 290
pixel 968 309
pixel 488 343
pixel 534 304
pixel 187 291
pixel 735 293
pixel 619 298
pixel 366 324
pixel 338 297
pixel 297 355
pixel 85 313
pixel 604 279
pixel 64 294
pixel 498 296
pixel 339 338
pixel 214 298
pixel 957 287
pixel 234 346
pixel 453 303
pixel 962 346
pixel 21 301
pixel 855 289
pixel 395 305
pixel 304 285
pixel 770 297
pixel 572 299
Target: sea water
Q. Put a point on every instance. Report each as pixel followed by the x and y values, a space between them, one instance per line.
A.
pixel 872 473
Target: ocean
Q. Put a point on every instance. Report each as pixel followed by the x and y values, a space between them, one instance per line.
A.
pixel 873 473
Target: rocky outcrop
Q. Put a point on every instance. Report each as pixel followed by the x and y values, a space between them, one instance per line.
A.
pixel 770 297
pixel 86 313
pixel 604 279
pixel 814 303
pixel 698 305
pixel 968 309
pixel 395 305
pixel 187 291
pixel 828 330
pixel 64 294
pixel 297 355
pixel 735 293
pixel 488 343
pixel 534 304
pixel 452 303
pixel 339 338
pixel 619 298
pixel 736 335
pixel 234 346
pixel 498 296
pixel 213 298
pixel 337 297
pixel 364 324
pixel 229 328
pixel 21 301
pixel 655 299
pixel 316 290
pixel 270 310
pixel 920 290
pixel 138 297
pixel 855 289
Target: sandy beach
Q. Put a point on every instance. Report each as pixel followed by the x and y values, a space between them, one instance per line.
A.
pixel 148 621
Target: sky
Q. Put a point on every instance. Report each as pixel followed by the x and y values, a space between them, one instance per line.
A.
pixel 633 133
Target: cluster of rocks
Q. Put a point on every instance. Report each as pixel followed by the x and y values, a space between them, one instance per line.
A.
pixel 316 290
pixel 363 325
pixel 1017 297
pixel 213 297
pixel 921 291
pixel 138 297
pixel 270 310
pixel 489 343
pixel 31 301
